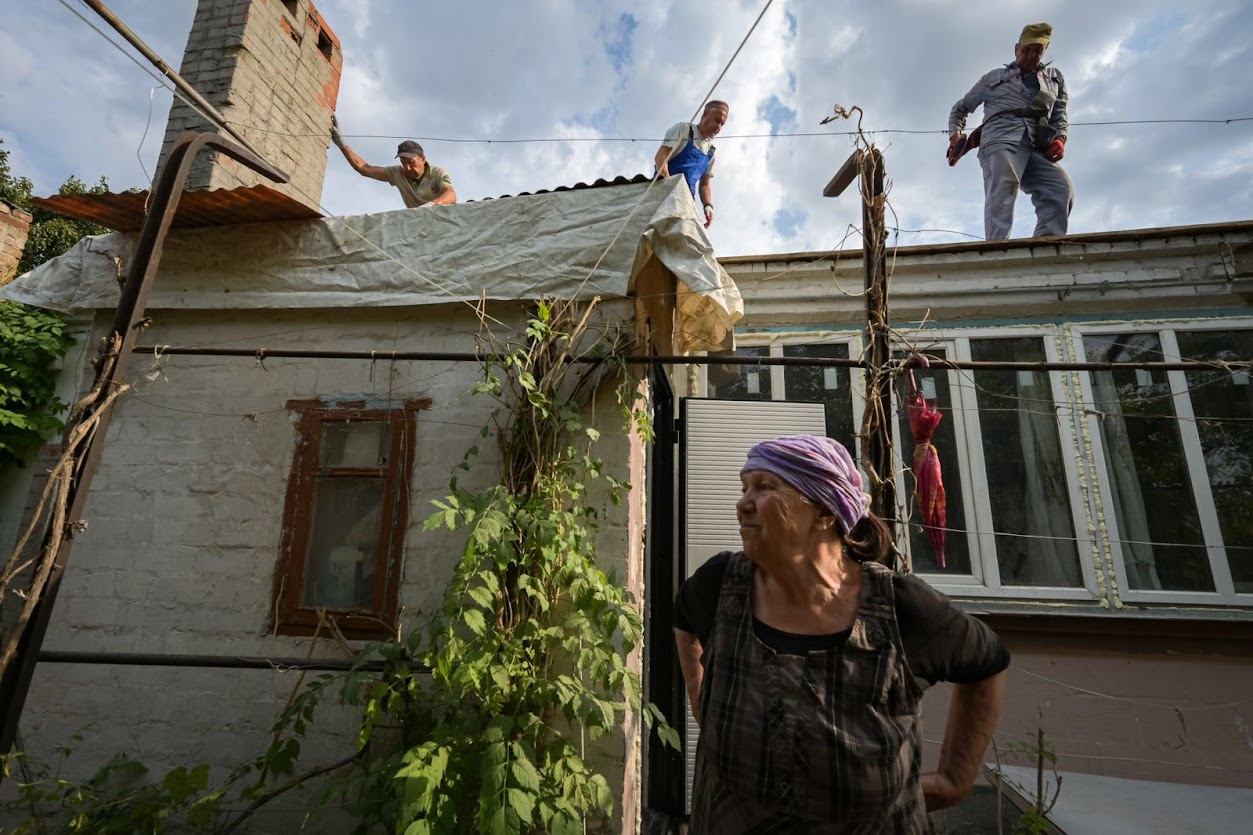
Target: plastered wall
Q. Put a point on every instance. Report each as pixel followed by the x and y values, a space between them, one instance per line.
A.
pixel 183 532
pixel 1158 707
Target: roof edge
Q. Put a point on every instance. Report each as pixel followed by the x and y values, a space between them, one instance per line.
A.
pixel 1118 236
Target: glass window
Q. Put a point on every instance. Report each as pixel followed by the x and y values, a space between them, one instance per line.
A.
pixel 1022 458
pixel 355 444
pixel 1222 405
pixel 345 517
pixel 741 382
pixel 935 388
pixel 343 548
pixel 1159 532
pixel 829 386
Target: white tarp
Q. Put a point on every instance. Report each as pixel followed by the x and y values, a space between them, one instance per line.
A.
pixel 543 245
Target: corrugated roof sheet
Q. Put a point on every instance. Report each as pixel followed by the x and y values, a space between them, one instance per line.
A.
pixel 223 207
pixel 213 207
pixel 620 180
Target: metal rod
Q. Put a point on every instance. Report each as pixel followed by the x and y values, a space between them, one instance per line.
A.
pixel 134 40
pixel 721 359
pixel 231 662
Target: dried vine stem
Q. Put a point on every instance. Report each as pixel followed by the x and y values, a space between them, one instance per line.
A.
pixel 59 481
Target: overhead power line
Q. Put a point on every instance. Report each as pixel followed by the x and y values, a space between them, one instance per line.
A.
pixel 458 140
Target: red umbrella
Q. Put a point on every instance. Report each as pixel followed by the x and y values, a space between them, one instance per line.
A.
pixel 924 417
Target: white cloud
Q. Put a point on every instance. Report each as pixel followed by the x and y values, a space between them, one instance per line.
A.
pixel 497 69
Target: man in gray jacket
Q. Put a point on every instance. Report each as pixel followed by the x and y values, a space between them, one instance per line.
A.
pixel 1022 138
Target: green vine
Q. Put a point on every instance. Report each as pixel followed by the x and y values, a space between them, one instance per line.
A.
pixel 116 799
pixel 31 343
pixel 480 719
pixel 527 654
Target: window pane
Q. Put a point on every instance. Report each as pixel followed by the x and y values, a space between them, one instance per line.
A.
pixel 339 569
pixel 829 386
pixel 935 385
pixel 1162 543
pixel 742 382
pixel 357 443
pixel 1222 403
pixel 1022 459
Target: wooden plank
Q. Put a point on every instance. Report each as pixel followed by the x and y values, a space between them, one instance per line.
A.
pixel 845 176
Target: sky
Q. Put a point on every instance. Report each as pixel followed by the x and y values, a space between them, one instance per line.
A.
pixel 609 71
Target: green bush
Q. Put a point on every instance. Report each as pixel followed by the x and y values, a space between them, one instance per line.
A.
pixel 31 343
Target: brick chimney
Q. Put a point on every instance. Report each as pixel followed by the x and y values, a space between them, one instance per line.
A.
pixel 272 68
pixel 14 228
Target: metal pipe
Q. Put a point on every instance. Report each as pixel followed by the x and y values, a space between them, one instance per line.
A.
pixel 168 71
pixel 721 359
pixel 232 662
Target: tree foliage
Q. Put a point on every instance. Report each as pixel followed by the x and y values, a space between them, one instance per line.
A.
pixel 33 340
pixel 50 233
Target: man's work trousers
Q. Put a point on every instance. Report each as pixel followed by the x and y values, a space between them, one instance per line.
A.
pixel 1008 168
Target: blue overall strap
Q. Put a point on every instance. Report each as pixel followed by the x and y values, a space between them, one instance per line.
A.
pixel 691 162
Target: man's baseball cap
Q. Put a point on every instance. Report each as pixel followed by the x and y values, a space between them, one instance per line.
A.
pixel 409 148
pixel 1035 33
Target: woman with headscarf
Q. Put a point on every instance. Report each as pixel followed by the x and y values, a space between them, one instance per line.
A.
pixel 805 660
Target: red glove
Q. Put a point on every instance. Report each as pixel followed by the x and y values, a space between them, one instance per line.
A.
pixel 1056 149
pixel 956 144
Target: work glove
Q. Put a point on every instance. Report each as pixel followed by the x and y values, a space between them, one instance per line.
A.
pixel 956 146
pixel 1056 149
pixel 335 136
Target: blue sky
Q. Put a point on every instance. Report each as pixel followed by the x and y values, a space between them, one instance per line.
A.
pixel 605 73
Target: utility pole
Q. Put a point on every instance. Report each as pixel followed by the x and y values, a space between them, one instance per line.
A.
pixel 867 166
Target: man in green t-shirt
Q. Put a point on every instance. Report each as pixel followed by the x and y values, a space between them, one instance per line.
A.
pixel 419 182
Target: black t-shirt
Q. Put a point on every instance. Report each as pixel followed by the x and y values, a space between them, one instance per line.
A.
pixel 942 643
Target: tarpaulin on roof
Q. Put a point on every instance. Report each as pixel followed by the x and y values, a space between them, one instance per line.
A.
pixel 525 247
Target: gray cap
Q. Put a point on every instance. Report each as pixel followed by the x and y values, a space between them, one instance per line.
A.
pixel 409 148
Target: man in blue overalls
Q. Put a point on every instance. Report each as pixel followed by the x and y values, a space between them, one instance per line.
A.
pixel 688 150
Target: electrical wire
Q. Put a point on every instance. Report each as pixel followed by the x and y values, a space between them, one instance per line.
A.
pixel 456 140
pixel 1108 697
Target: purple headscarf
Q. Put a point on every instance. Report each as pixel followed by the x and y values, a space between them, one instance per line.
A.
pixel 820 468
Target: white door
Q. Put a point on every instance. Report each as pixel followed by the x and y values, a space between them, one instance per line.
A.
pixel 717 435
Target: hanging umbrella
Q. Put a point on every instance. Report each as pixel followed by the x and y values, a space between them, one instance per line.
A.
pixel 924 417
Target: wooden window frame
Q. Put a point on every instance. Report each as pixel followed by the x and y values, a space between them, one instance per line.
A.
pixel 289 616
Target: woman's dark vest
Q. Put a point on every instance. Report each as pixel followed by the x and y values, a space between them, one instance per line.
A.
pixel 826 743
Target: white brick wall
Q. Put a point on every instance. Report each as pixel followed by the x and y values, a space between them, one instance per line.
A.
pixel 184 525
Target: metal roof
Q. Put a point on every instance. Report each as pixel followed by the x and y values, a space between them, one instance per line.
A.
pixel 620 180
pixel 222 207
pixel 212 207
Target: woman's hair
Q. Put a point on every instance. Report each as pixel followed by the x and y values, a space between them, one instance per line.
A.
pixel 870 541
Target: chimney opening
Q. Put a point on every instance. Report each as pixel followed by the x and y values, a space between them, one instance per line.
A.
pixel 325 46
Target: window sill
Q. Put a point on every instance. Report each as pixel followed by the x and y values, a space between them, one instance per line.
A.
pixel 351 626
pixel 1142 627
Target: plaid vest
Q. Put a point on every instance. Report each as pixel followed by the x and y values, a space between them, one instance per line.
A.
pixel 827 743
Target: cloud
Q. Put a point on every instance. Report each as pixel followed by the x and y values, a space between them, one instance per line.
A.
pixel 609 78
